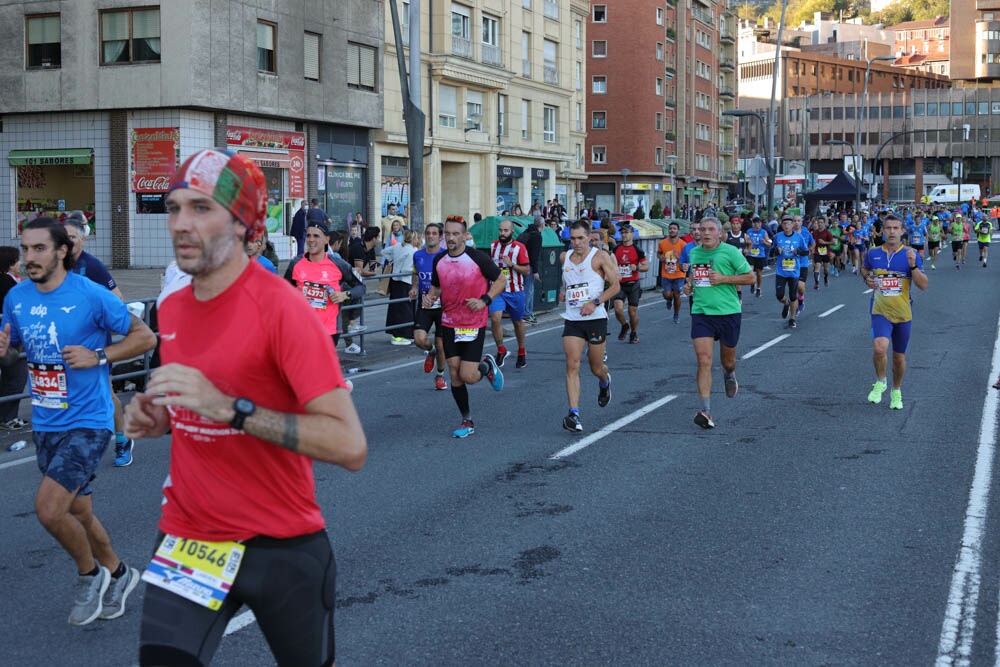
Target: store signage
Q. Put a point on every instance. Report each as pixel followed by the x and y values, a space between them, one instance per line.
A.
pixel 539 174
pixel 50 157
pixel 282 144
pixel 510 172
pixel 155 153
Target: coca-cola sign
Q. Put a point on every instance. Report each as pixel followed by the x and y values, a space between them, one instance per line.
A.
pixel 155 157
pixel 254 137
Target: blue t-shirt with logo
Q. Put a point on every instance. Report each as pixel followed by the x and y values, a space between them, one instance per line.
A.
pixel 918 232
pixel 787 265
pixel 808 238
pixel 423 266
pixel 756 238
pixel 78 312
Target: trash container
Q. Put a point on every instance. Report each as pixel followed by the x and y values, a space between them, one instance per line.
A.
pixel 549 271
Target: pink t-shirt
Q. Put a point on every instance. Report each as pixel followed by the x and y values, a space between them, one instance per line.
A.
pixel 314 280
pixel 467 276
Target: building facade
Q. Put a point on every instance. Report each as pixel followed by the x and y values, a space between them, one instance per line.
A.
pixel 502 90
pixel 923 45
pixel 659 76
pixel 104 99
pixel 976 59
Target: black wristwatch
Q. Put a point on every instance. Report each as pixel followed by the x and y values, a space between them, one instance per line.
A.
pixel 244 407
pixel 102 358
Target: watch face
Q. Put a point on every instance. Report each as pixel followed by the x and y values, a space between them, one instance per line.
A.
pixel 244 406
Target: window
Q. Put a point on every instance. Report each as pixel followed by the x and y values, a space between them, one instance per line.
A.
pixel 897 112
pixel 600 13
pixel 970 108
pixel 984 108
pixel 659 86
pixel 550 70
pixel 838 113
pixel 404 22
pixel 474 110
pixel 491 41
pixel 599 120
pixel 579 76
pixel 659 50
pixel 461 31
pixel 599 154
pixel 956 108
pixel 266 61
pixel 659 121
pixel 918 109
pixel 525 119
pixel 599 85
pixel 447 106
pixel 133 36
pixel 549 124
pixel 310 48
pixel 932 108
pixel 502 115
pixel 659 155
pixel 659 16
pixel 600 48
pixel 526 4
pixel 579 117
pixel 44 41
pixel 361 66
pixel 578 33
pixel 526 55
pixel 550 9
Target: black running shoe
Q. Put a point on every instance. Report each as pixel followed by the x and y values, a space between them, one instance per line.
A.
pixel 604 393
pixel 621 334
pixel 571 422
pixel 792 324
pixel 704 420
pixel 633 338
pixel 732 386
pixel 522 361
pixel 784 311
pixel 500 357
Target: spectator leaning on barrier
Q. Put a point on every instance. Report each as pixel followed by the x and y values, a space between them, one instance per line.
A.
pixel 401 257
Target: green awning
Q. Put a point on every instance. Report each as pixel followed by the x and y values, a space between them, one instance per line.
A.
pixel 51 156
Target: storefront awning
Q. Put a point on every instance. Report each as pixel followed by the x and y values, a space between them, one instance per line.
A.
pixel 50 156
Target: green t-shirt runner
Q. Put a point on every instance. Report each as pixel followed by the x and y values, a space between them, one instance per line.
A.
pixel 983 231
pixel 716 299
pixel 837 233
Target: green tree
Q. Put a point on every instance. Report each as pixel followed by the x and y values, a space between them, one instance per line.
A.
pixel 656 210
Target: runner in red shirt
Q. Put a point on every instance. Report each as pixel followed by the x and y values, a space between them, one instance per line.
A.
pixel 253 393
pixel 461 279
pixel 631 262
pixel 512 258
pixel 318 278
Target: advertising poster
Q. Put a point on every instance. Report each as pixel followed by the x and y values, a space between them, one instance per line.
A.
pixel 155 156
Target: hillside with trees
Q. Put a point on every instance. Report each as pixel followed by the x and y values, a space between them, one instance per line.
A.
pixel 803 10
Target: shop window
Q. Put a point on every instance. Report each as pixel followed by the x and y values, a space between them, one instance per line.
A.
pixel 44 42
pixel 311 58
pixel 361 66
pixel 266 61
pixel 130 36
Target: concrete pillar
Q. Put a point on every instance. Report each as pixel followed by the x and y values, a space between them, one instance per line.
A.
pixel 918 178
pixel 885 179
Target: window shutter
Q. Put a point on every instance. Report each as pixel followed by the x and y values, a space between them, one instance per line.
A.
pixel 353 65
pixel 367 67
pixel 311 56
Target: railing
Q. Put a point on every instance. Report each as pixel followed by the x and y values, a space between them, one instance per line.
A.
pixel 727 176
pixel 492 55
pixel 726 36
pixel 461 46
pixel 726 148
pixel 726 92
pixel 551 74
pixel 702 15
pixel 727 64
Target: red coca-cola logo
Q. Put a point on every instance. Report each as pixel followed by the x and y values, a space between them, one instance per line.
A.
pixel 160 183
pixel 233 136
pixel 298 142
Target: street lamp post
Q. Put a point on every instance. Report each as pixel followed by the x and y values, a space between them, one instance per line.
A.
pixel 671 162
pixel 857 181
pixel 862 111
pixel 743 113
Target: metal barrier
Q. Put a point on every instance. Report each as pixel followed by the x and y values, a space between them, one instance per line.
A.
pixel 147 305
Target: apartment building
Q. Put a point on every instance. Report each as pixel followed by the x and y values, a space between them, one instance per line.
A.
pixel 976 59
pixel 923 45
pixel 660 74
pixel 502 90
pixel 103 100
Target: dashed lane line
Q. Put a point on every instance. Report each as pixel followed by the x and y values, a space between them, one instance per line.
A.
pixel 831 311
pixel 612 427
pixel 958 628
pixel 758 350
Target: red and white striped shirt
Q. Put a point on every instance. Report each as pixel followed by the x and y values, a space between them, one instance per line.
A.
pixel 518 255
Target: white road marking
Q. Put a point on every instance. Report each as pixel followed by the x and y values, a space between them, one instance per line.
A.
pixel 955 646
pixel 763 347
pixel 869 291
pixel 11 464
pixel 831 311
pixel 611 428
pixel 239 622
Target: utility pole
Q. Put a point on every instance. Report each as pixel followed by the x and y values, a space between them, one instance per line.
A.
pixel 413 116
pixel 770 120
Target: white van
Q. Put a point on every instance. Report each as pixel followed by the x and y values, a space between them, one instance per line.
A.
pixel 948 194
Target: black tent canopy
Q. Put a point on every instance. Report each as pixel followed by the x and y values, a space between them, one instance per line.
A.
pixel 841 188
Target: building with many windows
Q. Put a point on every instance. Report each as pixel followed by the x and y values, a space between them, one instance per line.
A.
pixel 103 100
pixel 923 45
pixel 659 76
pixel 975 60
pixel 502 90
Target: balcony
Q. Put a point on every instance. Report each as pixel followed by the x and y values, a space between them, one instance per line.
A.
pixel 726 148
pixel 727 92
pixel 492 55
pixel 702 15
pixel 727 176
pixel 461 47
pixel 670 136
pixel 727 65
pixel 726 121
pixel 671 35
pixel 727 37
pixel 670 102
pixel 550 74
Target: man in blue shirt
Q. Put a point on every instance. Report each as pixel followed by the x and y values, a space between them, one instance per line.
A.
pixel 90 267
pixel 62 321
pixel 685 258
pixel 757 250
pixel 803 261
pixel 791 247
pixel 423 267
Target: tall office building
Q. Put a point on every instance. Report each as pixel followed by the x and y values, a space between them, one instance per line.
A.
pixel 975 59
pixel 660 73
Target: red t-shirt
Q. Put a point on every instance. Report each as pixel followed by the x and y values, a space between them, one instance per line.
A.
pixel 467 276
pixel 824 235
pixel 518 255
pixel 313 279
pixel 627 255
pixel 258 340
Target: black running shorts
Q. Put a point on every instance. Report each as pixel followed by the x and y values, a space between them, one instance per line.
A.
pixel 469 351
pixel 631 292
pixel 424 318
pixel 289 584
pixel 595 331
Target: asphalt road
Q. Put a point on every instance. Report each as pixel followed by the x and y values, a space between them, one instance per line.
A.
pixel 809 528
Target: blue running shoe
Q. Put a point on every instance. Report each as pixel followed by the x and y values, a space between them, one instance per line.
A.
pixel 123 453
pixel 493 373
pixel 465 430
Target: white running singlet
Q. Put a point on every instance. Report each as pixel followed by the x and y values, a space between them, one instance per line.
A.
pixel 582 284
